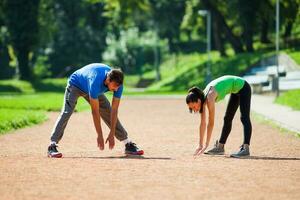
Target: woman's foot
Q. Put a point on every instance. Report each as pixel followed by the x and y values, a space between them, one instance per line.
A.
pixel 217 150
pixel 244 151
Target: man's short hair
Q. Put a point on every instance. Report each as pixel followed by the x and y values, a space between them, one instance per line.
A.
pixel 116 75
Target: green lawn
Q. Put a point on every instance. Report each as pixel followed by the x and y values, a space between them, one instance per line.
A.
pixel 11 119
pixel 23 103
pixel 179 74
pixel 290 98
pixel 37 101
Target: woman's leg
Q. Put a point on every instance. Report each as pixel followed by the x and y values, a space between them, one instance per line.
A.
pixel 245 103
pixel 232 106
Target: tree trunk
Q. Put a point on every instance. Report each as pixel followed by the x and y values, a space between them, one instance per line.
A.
pixel 288 30
pixel 23 65
pixel 234 41
pixel 218 39
pixel 264 32
pixel 249 39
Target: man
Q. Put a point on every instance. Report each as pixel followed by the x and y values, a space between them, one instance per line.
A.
pixel 91 82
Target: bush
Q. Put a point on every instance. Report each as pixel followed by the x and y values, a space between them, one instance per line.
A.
pixel 134 50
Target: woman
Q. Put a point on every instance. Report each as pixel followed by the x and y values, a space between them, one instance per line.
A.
pixel 216 90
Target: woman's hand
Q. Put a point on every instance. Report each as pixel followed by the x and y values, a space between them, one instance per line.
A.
pixel 100 142
pixel 200 150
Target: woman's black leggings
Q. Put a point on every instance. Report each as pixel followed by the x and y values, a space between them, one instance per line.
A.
pixel 242 99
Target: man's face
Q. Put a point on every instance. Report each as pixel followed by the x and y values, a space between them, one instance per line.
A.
pixel 112 86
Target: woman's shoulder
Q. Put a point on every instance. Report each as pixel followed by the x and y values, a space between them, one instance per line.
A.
pixel 211 94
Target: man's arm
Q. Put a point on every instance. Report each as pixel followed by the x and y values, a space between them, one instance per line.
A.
pixel 94 103
pixel 114 114
pixel 113 122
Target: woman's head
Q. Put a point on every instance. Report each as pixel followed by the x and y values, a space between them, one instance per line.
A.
pixel 195 99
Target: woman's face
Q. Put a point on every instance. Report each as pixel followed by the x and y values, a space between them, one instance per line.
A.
pixel 195 106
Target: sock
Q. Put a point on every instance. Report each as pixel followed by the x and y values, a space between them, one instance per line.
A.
pixel 52 142
pixel 126 141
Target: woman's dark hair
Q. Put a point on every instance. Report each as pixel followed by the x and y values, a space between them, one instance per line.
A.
pixel 116 75
pixel 194 94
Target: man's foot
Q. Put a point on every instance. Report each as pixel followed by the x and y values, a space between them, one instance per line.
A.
pixel 217 150
pixel 132 149
pixel 52 151
pixel 244 151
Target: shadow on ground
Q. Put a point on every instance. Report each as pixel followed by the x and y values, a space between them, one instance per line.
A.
pixel 120 157
pixel 266 158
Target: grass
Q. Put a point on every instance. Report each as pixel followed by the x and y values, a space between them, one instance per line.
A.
pixel 11 119
pixel 24 101
pixel 295 55
pixel 290 98
pixel 38 101
pixel 263 120
pixel 179 74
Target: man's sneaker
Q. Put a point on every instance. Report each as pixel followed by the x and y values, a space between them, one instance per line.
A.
pixel 244 151
pixel 217 150
pixel 52 151
pixel 132 149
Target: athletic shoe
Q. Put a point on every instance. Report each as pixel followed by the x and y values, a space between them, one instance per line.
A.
pixel 132 149
pixel 244 151
pixel 52 151
pixel 217 150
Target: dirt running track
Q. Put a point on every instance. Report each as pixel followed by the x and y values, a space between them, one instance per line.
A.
pixel 168 134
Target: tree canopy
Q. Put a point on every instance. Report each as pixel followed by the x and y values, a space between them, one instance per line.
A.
pixel 42 38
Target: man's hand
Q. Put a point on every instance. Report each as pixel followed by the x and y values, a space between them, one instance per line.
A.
pixel 100 142
pixel 111 140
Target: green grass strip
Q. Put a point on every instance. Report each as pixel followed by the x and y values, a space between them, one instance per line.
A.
pixel 11 119
pixel 290 98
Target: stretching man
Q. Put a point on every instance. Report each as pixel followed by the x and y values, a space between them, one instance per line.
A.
pixel 91 82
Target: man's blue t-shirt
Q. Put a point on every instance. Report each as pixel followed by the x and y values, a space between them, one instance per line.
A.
pixel 90 79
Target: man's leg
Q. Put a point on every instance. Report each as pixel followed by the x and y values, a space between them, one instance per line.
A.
pixel 70 100
pixel 121 134
pixel 105 111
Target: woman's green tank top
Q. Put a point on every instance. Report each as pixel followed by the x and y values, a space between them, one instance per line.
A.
pixel 225 85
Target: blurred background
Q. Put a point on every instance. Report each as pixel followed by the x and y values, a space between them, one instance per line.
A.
pixel 162 46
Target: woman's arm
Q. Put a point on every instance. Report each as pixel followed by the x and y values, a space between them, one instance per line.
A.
pixel 210 104
pixel 202 128
pixel 211 119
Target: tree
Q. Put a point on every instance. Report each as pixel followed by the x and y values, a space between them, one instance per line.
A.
pixel 290 9
pixel 247 17
pixel 220 20
pixel 79 36
pixel 21 19
pixel 5 70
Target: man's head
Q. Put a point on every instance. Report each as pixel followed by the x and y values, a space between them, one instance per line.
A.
pixel 114 79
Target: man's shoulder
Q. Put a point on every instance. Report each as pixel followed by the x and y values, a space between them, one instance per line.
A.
pixel 97 66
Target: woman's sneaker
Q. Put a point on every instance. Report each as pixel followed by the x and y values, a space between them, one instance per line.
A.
pixel 132 149
pixel 217 150
pixel 52 151
pixel 244 151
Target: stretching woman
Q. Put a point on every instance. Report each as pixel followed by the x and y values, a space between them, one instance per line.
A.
pixel 240 95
